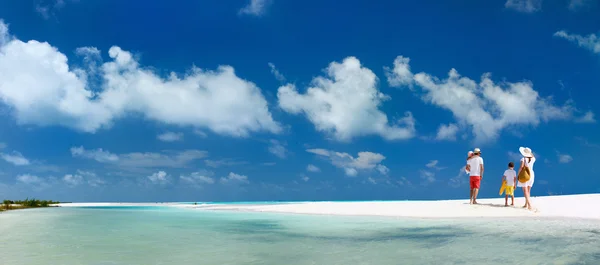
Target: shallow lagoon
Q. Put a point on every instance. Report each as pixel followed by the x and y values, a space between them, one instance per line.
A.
pixel 168 235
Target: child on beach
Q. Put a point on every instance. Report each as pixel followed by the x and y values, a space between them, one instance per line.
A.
pixel 469 155
pixel 510 176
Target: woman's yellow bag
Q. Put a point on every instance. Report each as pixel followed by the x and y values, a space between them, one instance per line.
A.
pixel 524 175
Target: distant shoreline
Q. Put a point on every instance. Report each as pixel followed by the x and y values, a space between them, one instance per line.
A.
pixel 571 206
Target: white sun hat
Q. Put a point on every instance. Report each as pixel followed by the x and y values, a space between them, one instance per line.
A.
pixel 469 153
pixel 525 151
pixel 477 150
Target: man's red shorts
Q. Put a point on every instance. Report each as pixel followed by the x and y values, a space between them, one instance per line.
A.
pixel 475 181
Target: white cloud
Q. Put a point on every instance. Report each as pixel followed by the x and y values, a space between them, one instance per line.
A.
pixel 97 154
pixel 346 104
pixel 29 179
pixel 587 118
pixel 198 178
pixel 400 75
pixel 488 107
pixel 427 177
pixel 312 168
pixel 73 180
pixel 276 73
pixel 173 159
pixel 200 133
pixel 170 137
pixel 49 7
pixel 277 149
pixel 15 158
pixel 255 8
pixel 159 177
pixel 223 162
pixel 526 6
pixel 590 42
pixel 91 178
pixel 305 178
pixel 234 178
pixel 403 181
pixel 564 158
pixel 364 162
pixel 382 169
pixel 432 164
pixel 447 132
pixel 38 85
pixel 461 179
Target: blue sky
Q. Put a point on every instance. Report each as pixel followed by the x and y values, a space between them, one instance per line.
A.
pixel 294 100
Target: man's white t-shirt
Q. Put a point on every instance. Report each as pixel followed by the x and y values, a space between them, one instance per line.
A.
pixel 510 175
pixel 475 166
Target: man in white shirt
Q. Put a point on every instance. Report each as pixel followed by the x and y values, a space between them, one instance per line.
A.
pixel 475 168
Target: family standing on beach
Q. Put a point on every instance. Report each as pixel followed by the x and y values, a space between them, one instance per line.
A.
pixel 524 178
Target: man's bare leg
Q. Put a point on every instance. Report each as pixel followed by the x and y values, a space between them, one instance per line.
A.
pixel 475 191
pixel 512 200
pixel 471 197
pixel 506 200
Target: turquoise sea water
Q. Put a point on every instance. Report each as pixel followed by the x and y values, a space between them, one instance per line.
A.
pixel 166 235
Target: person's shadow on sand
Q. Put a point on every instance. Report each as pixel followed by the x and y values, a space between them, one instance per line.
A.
pixel 492 205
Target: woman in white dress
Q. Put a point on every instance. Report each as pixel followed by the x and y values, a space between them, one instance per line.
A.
pixel 528 160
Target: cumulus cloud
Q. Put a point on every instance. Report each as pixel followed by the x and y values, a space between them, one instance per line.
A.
pixel 346 104
pixel 33 181
pixel 526 6
pixel 488 107
pixel 590 42
pixel 173 159
pixel 198 178
pixel 73 180
pixel 255 8
pixel 170 137
pixel 29 179
pixel 40 88
pixel 234 178
pixel 83 177
pixel 97 154
pixel 312 168
pixel 365 161
pixel 447 132
pixel 277 148
pixel 159 177
pixel 15 158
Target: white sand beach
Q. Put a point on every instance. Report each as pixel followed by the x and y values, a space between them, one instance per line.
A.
pixel 571 206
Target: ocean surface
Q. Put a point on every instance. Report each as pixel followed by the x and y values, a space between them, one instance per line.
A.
pixel 167 235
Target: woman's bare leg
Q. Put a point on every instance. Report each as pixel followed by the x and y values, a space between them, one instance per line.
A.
pixel 529 197
pixel 525 195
